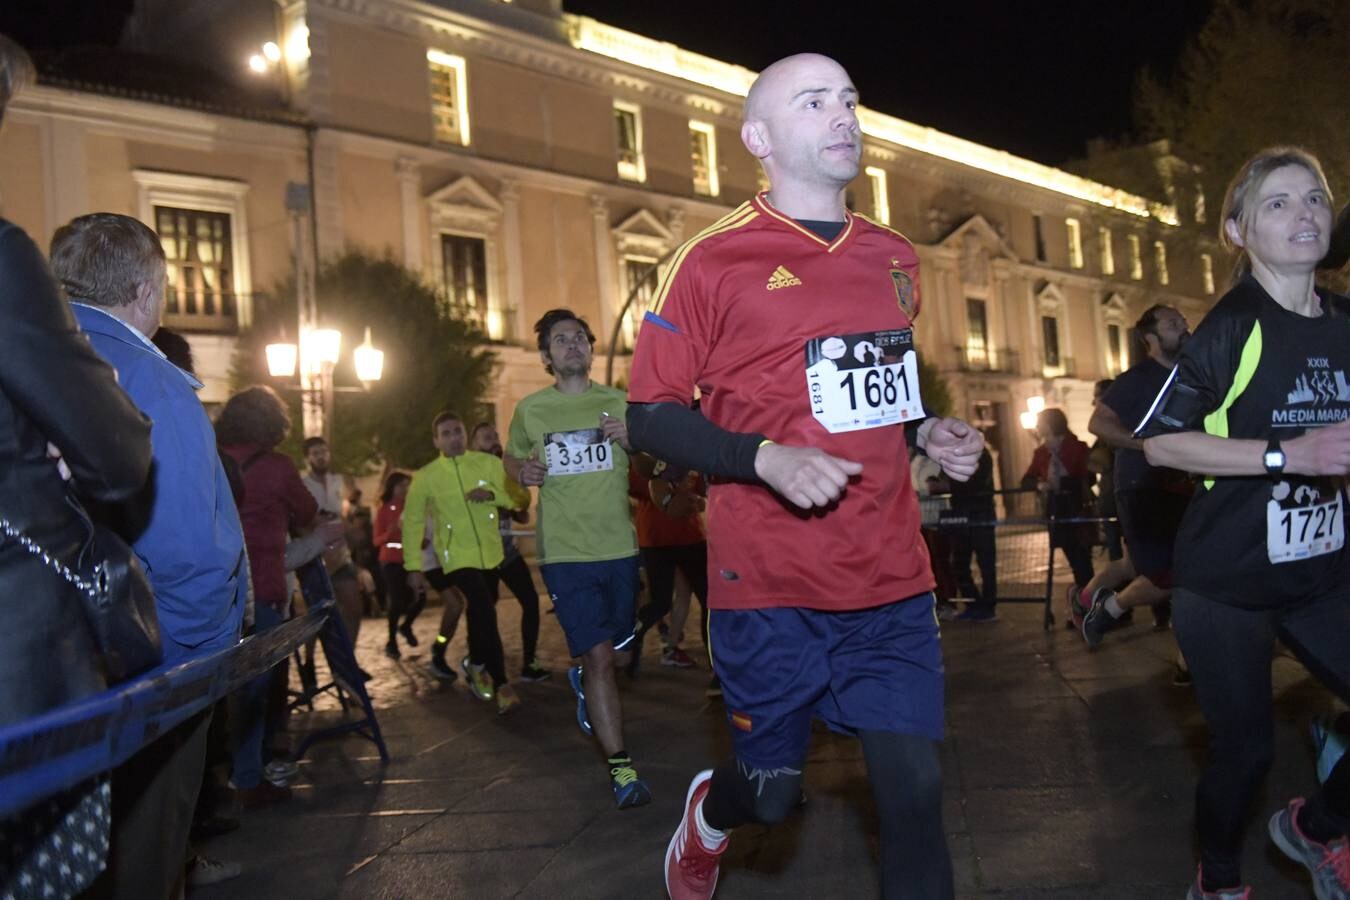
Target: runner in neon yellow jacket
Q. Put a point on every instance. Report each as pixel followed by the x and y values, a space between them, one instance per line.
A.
pixel 461 492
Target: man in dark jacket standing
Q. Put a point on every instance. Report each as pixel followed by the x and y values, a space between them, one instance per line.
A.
pixel 184 527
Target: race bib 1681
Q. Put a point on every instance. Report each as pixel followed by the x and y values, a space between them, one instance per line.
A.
pixel 867 380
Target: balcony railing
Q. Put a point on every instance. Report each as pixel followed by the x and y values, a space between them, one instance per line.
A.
pixel 1065 369
pixel 997 361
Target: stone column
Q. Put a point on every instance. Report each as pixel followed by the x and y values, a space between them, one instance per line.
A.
pixel 606 275
pixel 513 317
pixel 410 191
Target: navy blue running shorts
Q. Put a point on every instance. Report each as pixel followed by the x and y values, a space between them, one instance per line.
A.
pixel 595 601
pixel 877 669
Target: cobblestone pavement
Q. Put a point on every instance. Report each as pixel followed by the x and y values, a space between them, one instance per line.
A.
pixel 1068 774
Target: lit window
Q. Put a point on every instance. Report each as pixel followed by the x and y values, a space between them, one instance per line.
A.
pixel 977 334
pixel 1075 243
pixel 639 282
pixel 1199 204
pixel 198 252
pixel 881 202
pixel 1115 349
pixel 1136 258
pixel 1108 255
pixel 464 274
pixel 1207 272
pixel 1050 339
pixel 703 156
pixel 449 98
pixel 628 138
pixel 1160 261
pixel 1039 230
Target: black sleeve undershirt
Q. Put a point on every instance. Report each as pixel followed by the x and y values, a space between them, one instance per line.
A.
pixel 680 435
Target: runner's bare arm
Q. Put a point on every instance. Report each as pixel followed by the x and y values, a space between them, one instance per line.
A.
pixel 1106 425
pixel 805 476
pixel 528 472
pixel 1323 451
pixel 953 444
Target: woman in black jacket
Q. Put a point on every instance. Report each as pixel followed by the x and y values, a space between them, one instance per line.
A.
pixel 64 424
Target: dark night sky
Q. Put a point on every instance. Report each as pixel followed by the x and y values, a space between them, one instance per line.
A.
pixel 1037 79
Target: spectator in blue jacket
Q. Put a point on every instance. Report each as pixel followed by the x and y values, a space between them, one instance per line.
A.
pixel 184 527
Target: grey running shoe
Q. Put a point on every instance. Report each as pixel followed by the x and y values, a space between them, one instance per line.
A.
pixel 1199 893
pixel 477 680
pixel 1097 621
pixel 1329 864
pixel 574 679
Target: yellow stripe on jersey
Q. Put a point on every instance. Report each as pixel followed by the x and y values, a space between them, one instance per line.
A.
pixel 830 246
pixel 742 215
pixel 884 227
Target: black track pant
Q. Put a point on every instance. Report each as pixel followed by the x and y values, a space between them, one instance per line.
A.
pixel 401 601
pixel 485 644
pixel 515 572
pixel 907 786
pixel 1229 651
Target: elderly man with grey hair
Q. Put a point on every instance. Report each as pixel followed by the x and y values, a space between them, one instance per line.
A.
pixel 184 527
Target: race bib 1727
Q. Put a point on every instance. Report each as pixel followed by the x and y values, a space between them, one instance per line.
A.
pixel 867 380
pixel 576 452
pixel 1300 524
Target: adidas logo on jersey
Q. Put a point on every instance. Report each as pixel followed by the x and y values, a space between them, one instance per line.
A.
pixel 782 278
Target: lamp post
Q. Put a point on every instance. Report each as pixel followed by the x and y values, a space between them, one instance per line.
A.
pixel 318 349
pixel 317 352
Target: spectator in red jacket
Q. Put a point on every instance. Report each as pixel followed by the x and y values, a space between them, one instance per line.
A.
pixel 1059 469
pixel 400 601
pixel 251 425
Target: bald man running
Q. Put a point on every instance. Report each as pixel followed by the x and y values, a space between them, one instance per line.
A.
pixel 794 318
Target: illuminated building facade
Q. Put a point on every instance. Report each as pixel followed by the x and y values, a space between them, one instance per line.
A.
pixel 523 158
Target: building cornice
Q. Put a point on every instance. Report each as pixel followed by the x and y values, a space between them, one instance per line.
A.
pixel 144 120
pixel 523 176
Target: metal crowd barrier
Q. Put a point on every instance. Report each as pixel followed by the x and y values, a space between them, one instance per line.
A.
pixel 62 747
pixel 1013 527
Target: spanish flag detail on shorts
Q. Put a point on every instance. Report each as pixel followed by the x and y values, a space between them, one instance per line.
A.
pixel 741 721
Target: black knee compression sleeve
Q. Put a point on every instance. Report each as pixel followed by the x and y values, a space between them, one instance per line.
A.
pixel 907 786
pixel 740 794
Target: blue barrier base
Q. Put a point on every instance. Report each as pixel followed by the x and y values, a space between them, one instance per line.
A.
pixel 347 675
pixel 64 746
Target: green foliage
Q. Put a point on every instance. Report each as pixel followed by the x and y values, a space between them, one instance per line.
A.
pixel 933 388
pixel 432 360
pixel 1259 73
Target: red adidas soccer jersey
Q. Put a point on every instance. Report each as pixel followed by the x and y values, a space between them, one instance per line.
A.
pixel 808 342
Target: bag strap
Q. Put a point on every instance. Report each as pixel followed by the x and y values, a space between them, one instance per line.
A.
pixel 52 562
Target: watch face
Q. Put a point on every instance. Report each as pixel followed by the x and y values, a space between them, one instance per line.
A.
pixel 1274 459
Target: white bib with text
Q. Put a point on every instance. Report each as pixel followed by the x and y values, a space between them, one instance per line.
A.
pixel 858 381
pixel 1300 527
pixel 577 452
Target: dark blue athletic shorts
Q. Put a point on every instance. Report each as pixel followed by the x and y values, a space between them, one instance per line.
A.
pixel 595 601
pixel 877 669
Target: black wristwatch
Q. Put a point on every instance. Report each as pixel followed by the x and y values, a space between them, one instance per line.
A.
pixel 1274 459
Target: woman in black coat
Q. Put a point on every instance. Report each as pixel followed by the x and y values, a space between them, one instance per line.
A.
pixel 62 419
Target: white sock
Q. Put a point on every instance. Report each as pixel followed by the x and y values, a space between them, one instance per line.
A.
pixel 709 836
pixel 1113 606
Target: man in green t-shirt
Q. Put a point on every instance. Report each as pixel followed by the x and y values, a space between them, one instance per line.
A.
pixel 571 441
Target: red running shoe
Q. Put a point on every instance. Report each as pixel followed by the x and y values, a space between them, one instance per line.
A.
pixel 691 868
